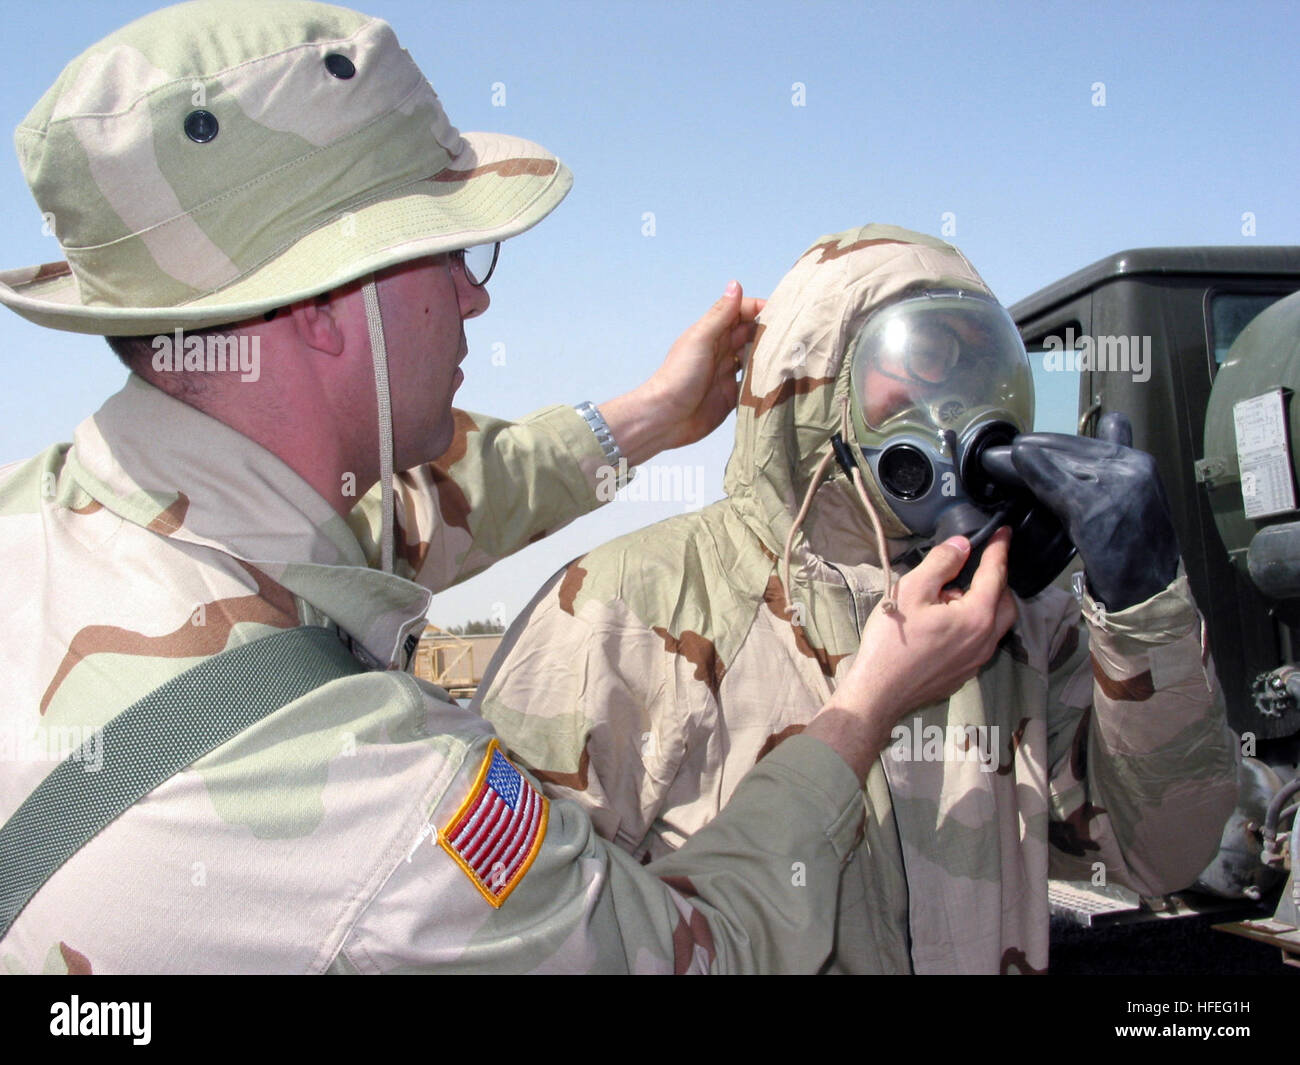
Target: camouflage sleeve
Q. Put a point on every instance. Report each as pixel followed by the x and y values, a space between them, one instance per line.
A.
pixel 588 700
pixel 1143 765
pixel 752 892
pixel 499 487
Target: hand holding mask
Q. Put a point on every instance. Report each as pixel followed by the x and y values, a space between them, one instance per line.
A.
pixel 1110 499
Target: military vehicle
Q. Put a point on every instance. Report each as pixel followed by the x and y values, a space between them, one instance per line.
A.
pixel 1201 348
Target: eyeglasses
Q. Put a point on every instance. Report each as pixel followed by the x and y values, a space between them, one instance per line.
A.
pixel 477 262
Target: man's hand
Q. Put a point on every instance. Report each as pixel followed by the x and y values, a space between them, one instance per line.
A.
pixel 1109 498
pixel 695 388
pixel 936 641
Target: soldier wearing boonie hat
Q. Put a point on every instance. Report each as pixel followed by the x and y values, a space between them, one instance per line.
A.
pixel 198 181
pixel 210 165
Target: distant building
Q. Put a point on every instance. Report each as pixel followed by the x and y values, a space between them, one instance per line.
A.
pixel 456 663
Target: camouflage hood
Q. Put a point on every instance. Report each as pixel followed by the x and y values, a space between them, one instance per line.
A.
pixel 798 379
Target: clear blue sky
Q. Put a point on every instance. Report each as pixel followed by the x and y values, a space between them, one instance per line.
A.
pixel 685 110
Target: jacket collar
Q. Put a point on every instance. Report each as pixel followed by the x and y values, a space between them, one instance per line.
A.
pixel 160 464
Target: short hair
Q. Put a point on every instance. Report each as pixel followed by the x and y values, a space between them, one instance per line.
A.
pixel 132 350
pixel 136 353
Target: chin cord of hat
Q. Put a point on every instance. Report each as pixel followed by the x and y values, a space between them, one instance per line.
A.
pixel 887 602
pixel 379 353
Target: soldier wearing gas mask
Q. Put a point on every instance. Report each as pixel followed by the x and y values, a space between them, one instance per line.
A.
pixel 940 388
pixel 886 407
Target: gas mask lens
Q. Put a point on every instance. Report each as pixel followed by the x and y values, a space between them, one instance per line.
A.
pixel 924 353
pixel 935 361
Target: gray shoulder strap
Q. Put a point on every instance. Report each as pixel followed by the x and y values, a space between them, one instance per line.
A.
pixel 153 739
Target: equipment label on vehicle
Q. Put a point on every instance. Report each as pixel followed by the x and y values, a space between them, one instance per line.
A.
pixel 1264 455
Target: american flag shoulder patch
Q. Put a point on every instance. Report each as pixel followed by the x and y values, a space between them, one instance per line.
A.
pixel 499 828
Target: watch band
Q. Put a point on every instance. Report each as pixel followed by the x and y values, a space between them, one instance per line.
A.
pixel 605 438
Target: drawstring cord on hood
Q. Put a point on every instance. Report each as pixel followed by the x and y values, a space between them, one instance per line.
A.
pixel 379 353
pixel 887 603
pixel 798 521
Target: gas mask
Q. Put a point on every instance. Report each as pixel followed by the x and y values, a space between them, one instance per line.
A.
pixel 940 387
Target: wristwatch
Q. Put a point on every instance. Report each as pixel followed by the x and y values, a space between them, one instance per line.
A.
pixel 613 453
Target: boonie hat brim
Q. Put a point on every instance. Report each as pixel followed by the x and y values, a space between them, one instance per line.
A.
pixel 497 187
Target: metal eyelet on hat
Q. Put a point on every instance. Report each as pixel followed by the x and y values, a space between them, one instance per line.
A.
pixel 201 126
pixel 340 66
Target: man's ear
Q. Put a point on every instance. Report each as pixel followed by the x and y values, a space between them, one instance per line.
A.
pixel 316 325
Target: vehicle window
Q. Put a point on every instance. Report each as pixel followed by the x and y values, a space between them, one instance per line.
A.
pixel 1230 313
pixel 1056 384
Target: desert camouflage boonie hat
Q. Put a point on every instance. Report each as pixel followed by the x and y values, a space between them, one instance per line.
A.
pixel 218 159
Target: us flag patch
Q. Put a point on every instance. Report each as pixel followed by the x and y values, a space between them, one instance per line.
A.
pixel 498 830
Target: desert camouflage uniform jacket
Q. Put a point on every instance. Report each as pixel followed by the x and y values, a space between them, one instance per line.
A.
pixel 314 841
pixel 663 665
